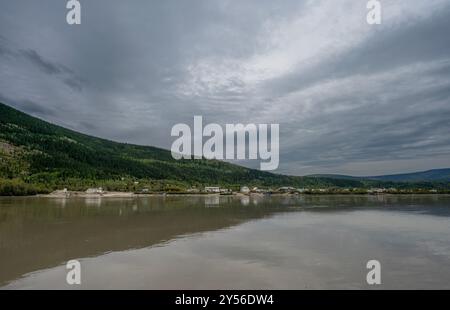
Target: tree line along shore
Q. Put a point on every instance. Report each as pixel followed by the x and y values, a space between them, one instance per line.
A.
pixel 137 188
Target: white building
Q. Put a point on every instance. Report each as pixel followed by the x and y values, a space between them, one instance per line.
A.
pixel 94 190
pixel 212 189
pixel 192 190
pixel 286 189
pixel 245 190
pixel 377 190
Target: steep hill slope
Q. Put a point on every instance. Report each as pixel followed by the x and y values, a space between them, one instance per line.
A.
pixel 42 153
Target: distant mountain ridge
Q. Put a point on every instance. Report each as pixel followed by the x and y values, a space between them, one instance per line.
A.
pixel 442 175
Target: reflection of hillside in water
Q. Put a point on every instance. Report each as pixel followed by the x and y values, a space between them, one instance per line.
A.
pixel 37 233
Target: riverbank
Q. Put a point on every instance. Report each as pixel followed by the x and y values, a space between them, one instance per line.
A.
pixel 77 194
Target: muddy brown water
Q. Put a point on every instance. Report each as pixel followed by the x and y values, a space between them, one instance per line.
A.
pixel 301 242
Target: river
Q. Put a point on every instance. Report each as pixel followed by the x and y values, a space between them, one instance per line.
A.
pixel 226 242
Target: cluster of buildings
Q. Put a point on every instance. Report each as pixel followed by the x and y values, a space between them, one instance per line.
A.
pixel 211 190
pixel 281 190
pixel 293 190
pixel 95 190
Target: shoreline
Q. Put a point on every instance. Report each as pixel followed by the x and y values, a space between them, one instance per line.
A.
pixel 135 195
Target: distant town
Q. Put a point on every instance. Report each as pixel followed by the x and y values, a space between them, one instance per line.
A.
pixel 246 190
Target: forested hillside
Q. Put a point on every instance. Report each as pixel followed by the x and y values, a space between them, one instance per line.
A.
pixel 36 156
pixel 49 156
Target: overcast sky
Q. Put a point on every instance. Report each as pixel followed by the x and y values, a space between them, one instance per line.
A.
pixel 350 98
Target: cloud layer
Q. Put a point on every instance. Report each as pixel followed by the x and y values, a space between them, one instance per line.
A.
pixel 349 97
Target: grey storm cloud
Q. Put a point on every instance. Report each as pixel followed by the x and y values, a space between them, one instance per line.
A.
pixel 349 97
pixel 51 68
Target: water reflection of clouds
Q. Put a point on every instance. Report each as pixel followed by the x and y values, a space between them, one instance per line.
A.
pixel 232 246
pixel 296 250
